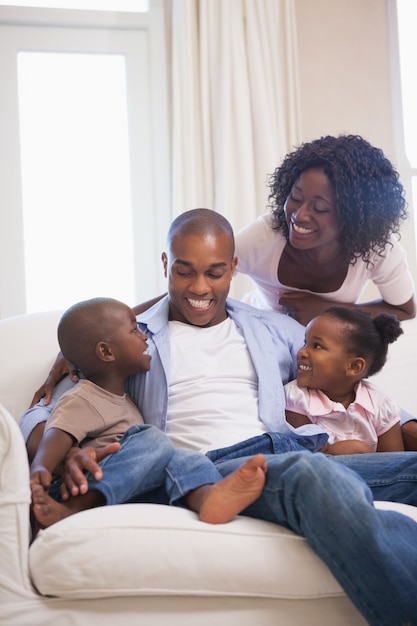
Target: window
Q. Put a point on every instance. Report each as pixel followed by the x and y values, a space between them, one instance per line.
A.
pixel 133 6
pixel 85 164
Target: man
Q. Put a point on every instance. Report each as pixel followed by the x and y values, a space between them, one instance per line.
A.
pixel 216 385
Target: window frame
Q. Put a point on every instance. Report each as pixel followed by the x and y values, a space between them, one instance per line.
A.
pixel 151 201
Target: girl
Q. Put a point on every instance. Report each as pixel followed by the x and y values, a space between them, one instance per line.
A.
pixel 342 347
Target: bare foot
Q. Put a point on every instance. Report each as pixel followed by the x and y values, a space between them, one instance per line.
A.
pixel 227 498
pixel 46 510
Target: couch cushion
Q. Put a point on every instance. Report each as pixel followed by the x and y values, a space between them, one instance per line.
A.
pixel 148 549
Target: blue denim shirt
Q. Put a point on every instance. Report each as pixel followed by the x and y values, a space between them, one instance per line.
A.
pixel 273 340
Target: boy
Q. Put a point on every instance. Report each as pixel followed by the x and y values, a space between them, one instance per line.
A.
pixel 101 338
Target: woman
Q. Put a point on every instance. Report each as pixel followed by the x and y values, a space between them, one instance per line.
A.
pixel 336 208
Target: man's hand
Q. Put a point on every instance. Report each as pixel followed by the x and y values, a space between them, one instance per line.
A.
pixel 350 446
pixel 80 460
pixel 60 368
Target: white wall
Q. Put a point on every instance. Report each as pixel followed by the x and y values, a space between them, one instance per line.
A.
pixel 349 81
pixel 344 69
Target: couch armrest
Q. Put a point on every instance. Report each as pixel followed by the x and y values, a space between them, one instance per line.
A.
pixel 14 512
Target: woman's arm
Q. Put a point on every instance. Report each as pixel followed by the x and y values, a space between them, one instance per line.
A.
pixel 404 311
pixel 304 306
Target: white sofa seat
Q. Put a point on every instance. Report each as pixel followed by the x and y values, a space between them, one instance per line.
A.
pixel 141 563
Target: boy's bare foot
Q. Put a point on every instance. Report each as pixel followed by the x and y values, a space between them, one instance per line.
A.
pixel 48 511
pixel 224 500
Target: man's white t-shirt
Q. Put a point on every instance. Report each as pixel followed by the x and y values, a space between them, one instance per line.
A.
pixel 214 395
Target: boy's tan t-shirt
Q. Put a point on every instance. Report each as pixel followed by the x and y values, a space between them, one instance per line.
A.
pixel 93 416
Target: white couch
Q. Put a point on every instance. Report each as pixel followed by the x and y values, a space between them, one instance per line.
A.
pixel 151 564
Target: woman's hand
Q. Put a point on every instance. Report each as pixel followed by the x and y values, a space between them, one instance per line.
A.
pixel 60 368
pixel 303 306
pixel 80 460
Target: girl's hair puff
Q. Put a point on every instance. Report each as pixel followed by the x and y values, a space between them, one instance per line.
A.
pixel 365 336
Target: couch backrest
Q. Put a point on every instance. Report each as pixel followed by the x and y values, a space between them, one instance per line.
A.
pixel 398 378
pixel 28 348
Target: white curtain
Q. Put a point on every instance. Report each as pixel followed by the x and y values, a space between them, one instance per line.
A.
pixel 234 102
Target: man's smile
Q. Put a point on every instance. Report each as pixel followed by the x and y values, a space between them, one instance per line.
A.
pixel 202 305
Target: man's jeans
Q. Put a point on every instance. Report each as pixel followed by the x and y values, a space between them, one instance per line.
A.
pixel 326 499
pixel 372 553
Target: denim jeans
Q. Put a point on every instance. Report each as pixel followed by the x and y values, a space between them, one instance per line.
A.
pixel 147 461
pixel 326 499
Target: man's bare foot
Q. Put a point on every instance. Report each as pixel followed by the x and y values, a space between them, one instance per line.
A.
pixel 48 511
pixel 227 498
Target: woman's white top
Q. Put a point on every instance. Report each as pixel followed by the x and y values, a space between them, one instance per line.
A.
pixel 259 250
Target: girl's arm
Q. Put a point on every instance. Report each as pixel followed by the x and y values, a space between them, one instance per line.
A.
pixel 391 441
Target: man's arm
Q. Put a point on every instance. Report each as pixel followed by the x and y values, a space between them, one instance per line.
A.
pixel 391 441
pixel 32 422
pixel 409 434
pixel 144 306
pixel 296 419
pixel 350 446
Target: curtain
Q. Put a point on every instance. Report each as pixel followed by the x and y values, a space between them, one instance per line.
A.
pixel 234 102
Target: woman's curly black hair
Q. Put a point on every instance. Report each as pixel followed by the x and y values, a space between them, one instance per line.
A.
pixel 369 195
